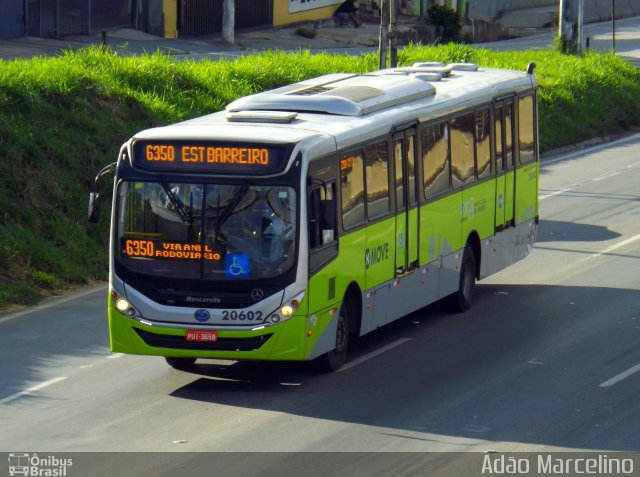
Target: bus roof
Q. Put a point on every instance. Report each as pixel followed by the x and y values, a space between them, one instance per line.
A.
pixel 338 110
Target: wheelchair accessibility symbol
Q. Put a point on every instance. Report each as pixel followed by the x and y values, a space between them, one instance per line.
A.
pixel 236 265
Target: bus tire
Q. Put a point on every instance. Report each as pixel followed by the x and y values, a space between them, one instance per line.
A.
pixel 460 301
pixel 335 359
pixel 180 363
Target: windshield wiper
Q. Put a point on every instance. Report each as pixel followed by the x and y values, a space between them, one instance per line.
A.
pixel 176 203
pixel 223 216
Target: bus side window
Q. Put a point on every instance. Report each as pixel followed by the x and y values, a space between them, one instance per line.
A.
pixel 435 159
pixel 526 129
pixel 499 149
pixel 377 172
pixel 352 189
pixel 411 169
pixel 508 133
pixel 483 143
pixel 399 182
pixel 462 151
pixel 322 216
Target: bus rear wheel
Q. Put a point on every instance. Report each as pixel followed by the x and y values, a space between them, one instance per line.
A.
pixel 180 363
pixel 335 359
pixel 460 301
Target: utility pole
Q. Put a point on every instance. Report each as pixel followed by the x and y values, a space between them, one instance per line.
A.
pixel 393 35
pixel 229 20
pixel 613 23
pixel 382 42
pixel 561 19
pixel 580 25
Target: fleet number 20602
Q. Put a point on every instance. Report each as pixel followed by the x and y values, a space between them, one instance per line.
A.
pixel 241 315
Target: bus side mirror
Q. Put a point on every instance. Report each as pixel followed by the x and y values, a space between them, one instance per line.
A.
pixel 94 207
pixel 327 214
pixel 94 197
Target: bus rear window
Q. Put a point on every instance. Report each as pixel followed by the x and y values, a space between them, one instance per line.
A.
pixel 526 129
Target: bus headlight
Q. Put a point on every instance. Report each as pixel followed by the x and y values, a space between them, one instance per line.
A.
pixel 286 310
pixel 124 307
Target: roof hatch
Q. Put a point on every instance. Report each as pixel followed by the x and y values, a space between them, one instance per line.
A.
pixel 340 94
pixel 282 117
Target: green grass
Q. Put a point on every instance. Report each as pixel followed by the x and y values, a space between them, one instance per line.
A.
pixel 63 118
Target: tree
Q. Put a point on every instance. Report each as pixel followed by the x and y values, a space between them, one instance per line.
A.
pixel 449 21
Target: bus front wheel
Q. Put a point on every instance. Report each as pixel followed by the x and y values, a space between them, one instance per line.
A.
pixel 180 363
pixel 460 301
pixel 335 359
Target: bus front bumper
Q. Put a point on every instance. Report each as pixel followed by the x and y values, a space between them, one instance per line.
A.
pixel 284 341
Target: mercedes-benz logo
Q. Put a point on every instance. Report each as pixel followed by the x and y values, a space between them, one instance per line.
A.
pixel 257 294
pixel 202 315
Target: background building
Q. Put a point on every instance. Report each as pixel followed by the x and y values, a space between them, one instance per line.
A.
pixel 11 18
pixel 175 18
pixel 59 18
pixel 192 18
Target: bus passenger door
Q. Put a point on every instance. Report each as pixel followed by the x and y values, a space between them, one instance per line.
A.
pixel 406 246
pixel 500 167
pixel 509 157
pixel 505 190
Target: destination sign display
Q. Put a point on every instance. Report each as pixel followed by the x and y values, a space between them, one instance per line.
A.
pixel 163 249
pixel 210 157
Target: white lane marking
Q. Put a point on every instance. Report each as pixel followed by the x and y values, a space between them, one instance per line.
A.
pixel 589 150
pixel 32 389
pixel 115 356
pixel 614 247
pixel 52 303
pixel 621 376
pixel 607 176
pixel 373 354
pixel 558 192
pixel 476 428
pixel 544 162
pixel 572 186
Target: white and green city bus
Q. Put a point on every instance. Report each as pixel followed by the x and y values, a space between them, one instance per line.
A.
pixel 301 216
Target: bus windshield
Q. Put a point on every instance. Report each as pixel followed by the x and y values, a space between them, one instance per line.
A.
pixel 206 231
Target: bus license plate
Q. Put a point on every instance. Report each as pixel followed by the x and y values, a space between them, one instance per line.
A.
pixel 202 335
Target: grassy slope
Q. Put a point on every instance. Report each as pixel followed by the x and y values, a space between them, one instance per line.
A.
pixel 63 118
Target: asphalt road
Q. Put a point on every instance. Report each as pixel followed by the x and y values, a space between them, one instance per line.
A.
pixel 544 360
pixel 627 39
pixel 627 42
